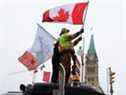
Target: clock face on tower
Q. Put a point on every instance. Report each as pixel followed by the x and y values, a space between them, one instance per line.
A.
pixel 91 57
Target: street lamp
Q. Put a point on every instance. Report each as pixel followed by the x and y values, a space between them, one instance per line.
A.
pixel 81 54
pixel 111 80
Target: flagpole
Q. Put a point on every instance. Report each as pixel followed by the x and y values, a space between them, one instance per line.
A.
pixel 107 78
pixel 33 77
pixel 14 73
pixel 83 45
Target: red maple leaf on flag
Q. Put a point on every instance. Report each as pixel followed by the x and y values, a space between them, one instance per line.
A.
pixel 62 16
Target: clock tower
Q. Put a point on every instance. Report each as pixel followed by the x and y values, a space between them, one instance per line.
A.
pixel 91 66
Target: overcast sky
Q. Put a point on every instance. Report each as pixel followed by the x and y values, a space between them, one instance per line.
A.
pixel 18 20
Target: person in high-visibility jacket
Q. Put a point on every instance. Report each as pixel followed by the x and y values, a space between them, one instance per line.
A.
pixel 65 39
pixel 66 46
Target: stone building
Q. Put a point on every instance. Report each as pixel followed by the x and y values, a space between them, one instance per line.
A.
pixel 91 67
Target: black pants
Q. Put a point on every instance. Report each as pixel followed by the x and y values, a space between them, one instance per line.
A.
pixel 55 74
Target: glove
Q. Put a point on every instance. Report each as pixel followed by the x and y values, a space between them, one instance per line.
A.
pixel 80 38
pixel 78 33
pixel 82 30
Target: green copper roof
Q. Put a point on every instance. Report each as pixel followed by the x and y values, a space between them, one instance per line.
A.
pixel 92 49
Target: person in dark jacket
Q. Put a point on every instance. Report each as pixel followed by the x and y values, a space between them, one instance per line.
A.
pixel 56 59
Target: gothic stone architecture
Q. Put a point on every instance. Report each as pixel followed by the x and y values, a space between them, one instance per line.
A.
pixel 91 67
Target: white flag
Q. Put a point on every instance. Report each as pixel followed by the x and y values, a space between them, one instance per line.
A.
pixel 42 47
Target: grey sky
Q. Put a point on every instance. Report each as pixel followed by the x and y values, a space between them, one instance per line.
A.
pixel 18 20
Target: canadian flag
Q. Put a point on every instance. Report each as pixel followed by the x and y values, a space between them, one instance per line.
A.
pixel 46 76
pixel 72 13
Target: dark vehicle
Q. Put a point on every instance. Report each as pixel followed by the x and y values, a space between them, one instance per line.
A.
pixel 53 89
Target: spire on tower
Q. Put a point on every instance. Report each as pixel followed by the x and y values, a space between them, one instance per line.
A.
pixel 92 49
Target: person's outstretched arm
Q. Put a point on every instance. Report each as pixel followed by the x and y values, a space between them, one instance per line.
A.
pixel 77 34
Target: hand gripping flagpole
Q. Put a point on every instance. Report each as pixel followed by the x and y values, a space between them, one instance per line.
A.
pixel 83 45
